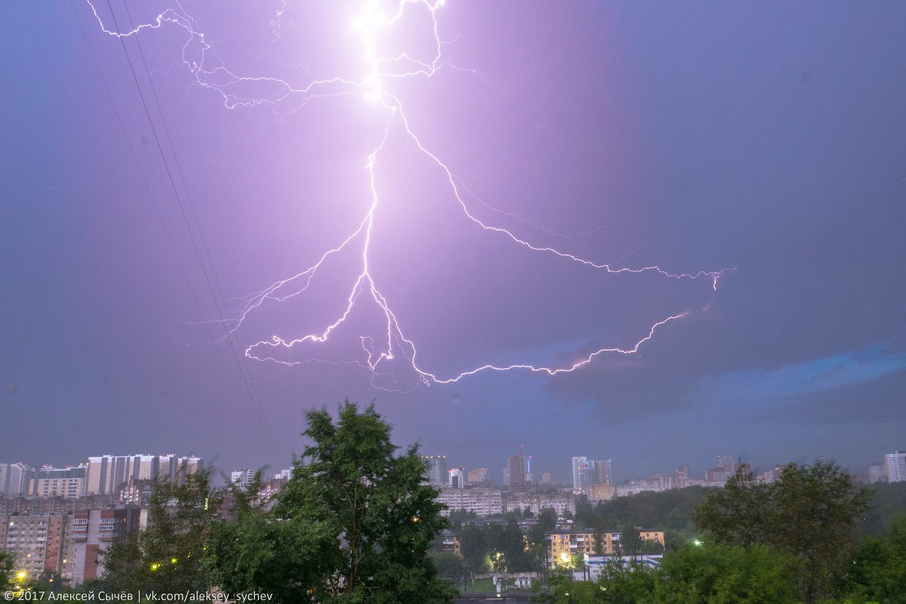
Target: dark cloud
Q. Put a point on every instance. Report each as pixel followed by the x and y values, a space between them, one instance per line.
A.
pixel 769 141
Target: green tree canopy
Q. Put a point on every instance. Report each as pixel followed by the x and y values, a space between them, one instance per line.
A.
pixel 878 572
pixel 167 556
pixel 707 572
pixel 740 513
pixel 355 523
pixel 547 519
pixel 473 544
pixel 810 513
pixel 6 570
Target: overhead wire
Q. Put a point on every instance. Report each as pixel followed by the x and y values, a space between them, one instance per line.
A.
pixel 219 303
pixel 218 296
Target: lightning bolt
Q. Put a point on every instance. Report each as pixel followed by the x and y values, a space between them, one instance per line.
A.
pixel 392 345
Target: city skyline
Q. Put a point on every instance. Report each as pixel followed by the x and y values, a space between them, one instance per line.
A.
pixel 217 220
pixel 437 473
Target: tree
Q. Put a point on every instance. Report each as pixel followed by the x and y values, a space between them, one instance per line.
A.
pixel 355 523
pixel 878 571
pixel 630 541
pixel 563 590
pixel 448 564
pixel 707 572
pixel 458 517
pixel 810 513
pixel 6 570
pixel 622 583
pixel 257 553
pixel 167 556
pixel 547 519
pixel 817 510
pixel 473 544
pixel 512 546
pixel 740 513
pixel 600 527
pixel 701 573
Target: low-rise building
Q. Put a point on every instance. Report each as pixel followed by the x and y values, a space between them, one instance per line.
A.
pixel 593 566
pixel 565 547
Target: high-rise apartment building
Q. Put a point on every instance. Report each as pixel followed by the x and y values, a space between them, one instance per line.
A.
pixel 436 470
pixel 588 472
pixel 581 474
pixel 39 543
pixel 681 476
pixel 457 479
pixel 14 479
pixel 48 481
pixel 727 462
pixel 896 466
pixel 107 472
pixel 243 477
pixel 93 531
pixel 519 470
pixel 603 471
pixel 726 467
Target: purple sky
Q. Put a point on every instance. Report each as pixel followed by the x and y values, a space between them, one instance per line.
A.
pixel 767 138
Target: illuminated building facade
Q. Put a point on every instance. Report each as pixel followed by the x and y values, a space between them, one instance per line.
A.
pixel 107 472
pixel 48 481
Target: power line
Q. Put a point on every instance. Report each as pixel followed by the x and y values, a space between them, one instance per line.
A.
pixel 244 374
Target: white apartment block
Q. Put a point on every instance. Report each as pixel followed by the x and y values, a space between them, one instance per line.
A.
pixel 484 502
pixel 896 466
pixel 14 479
pixel 107 472
pixel 535 502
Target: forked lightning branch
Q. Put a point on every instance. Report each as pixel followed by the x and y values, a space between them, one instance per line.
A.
pixel 374 84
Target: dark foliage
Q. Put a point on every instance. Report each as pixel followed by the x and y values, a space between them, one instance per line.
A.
pixel 810 514
pixel 355 523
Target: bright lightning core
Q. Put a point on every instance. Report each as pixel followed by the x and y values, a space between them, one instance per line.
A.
pixel 416 216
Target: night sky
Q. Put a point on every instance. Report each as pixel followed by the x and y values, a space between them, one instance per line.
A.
pixel 155 186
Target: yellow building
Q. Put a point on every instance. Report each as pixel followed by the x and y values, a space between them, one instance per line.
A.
pixel 564 546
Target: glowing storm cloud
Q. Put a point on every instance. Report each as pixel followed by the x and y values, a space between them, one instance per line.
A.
pixel 389 345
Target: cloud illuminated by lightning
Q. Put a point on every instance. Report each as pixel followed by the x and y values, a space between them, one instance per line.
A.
pixel 371 84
